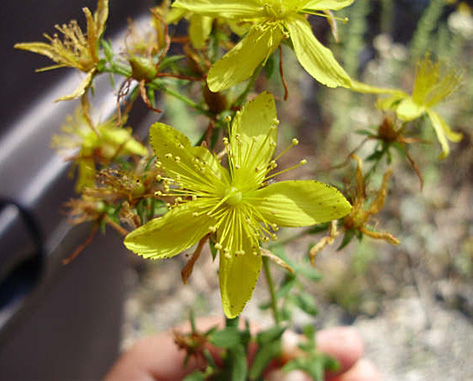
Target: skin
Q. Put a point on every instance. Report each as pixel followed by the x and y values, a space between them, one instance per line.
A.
pixel 158 358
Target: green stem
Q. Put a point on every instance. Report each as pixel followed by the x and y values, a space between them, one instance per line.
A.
pixel 183 99
pixel 117 68
pixel 232 322
pixel 272 291
pixel 373 168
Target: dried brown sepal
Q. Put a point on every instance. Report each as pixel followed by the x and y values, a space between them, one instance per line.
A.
pixel 276 260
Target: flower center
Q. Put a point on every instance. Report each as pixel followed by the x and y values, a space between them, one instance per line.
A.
pixel 233 196
pixel 276 9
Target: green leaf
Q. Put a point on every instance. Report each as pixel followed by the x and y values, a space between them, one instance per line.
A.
pixel 196 376
pixel 307 271
pixel 286 285
pixel 213 250
pixel 365 132
pixel 226 338
pixel 319 228
pixel 347 237
pixel 270 335
pixel 306 303
pixel 269 347
pixel 108 50
pixel 269 67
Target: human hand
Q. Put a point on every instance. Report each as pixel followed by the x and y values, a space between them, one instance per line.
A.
pixel 158 358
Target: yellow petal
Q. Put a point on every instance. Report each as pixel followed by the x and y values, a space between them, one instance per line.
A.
pixel 238 276
pixel 222 8
pixel 408 110
pixel 171 234
pixel 253 139
pixel 199 30
pixel 240 62
pixel 175 14
pixel 314 57
pixel 300 203
pixel 334 5
pixel 443 132
pixel 194 165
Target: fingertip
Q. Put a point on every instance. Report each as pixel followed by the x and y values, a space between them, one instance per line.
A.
pixel 363 370
pixel 343 343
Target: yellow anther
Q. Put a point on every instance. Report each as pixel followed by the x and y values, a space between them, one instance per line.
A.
pixel 295 141
pixel 303 162
pixel 228 119
pixel 158 193
pixel 159 177
pixel 218 246
pixel 177 159
pixel 194 197
pixel 213 229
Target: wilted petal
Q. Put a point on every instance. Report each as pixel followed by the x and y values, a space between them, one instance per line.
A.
pixel 300 203
pixel 121 138
pixel 171 234
pixel 81 89
pixel 443 132
pixel 100 16
pixel 314 57
pixel 39 48
pixel 241 62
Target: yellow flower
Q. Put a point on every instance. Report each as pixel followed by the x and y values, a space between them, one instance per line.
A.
pixel 111 142
pixel 273 21
pixel 78 50
pixel 236 207
pixel 199 26
pixel 432 85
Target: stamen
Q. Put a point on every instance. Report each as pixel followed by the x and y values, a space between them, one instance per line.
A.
pixel 301 163
pixel 315 13
pixel 294 142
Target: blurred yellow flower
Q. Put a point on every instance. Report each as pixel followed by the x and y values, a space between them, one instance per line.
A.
pixel 432 85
